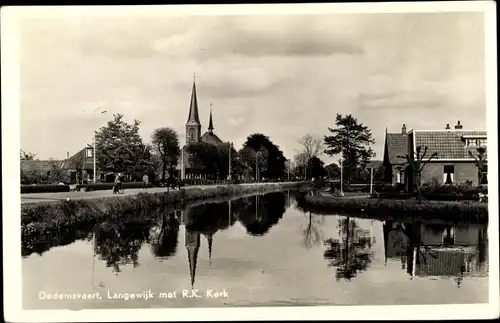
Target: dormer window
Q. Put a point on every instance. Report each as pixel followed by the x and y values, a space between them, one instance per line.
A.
pixel 90 152
pixel 475 142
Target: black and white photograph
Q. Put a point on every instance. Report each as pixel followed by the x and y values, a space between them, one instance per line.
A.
pixel 228 162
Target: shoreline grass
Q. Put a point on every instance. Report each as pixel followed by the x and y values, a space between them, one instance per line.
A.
pixel 41 218
pixel 396 209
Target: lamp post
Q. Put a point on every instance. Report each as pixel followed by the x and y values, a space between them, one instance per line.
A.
pixel 95 150
pixel 229 173
pixel 257 166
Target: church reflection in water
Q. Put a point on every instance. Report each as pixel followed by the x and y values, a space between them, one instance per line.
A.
pixel 257 214
pixel 437 250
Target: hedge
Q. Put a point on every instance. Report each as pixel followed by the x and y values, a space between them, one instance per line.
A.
pixel 374 208
pixel 44 188
pixel 108 186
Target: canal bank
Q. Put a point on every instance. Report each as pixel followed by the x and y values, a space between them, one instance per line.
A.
pixel 364 207
pixel 46 216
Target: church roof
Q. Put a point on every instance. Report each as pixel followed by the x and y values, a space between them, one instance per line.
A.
pixel 193 118
pixel 210 138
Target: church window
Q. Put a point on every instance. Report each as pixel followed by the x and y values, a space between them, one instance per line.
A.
pixel 191 134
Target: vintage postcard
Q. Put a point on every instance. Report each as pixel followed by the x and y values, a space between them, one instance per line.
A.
pixel 250 162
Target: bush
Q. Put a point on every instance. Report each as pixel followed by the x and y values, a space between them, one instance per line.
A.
pixel 44 188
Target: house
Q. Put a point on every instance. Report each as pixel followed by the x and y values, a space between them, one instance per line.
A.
pixel 395 147
pixel 82 161
pixel 43 166
pixel 453 163
pixel 193 135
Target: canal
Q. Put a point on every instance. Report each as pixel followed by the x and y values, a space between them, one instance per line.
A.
pixel 254 251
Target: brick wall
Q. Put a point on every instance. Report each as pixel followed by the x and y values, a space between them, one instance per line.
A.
pixel 464 171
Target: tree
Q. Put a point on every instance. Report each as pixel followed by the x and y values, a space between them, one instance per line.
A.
pixel 57 174
pixel 311 147
pixel 312 234
pixel 204 158
pixel 166 144
pixel 254 161
pixel 333 170
pixel 121 149
pixel 316 167
pixel 26 155
pixel 275 160
pixel 481 164
pixel 301 160
pixel 351 139
pixel 415 164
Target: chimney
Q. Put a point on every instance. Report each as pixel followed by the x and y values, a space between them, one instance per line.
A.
pixel 67 155
pixel 403 129
pixel 458 126
pixel 447 126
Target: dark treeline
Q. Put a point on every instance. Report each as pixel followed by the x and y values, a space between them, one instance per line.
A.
pixel 117 241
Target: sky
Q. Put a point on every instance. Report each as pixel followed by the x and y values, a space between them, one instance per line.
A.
pixel 284 76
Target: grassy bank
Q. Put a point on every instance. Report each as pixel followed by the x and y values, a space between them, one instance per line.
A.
pixel 41 218
pixel 396 209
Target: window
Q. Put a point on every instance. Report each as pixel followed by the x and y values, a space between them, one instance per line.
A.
pixel 448 174
pixel 191 134
pixel 449 236
pixel 90 152
pixel 481 142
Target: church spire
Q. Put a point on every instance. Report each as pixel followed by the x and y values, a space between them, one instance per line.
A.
pixel 193 118
pixel 210 122
pixel 210 239
pixel 192 245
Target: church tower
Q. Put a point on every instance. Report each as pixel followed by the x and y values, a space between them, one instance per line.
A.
pixel 210 122
pixel 193 125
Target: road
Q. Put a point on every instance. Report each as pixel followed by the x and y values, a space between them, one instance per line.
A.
pixel 50 197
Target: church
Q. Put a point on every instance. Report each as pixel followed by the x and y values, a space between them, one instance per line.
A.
pixel 193 135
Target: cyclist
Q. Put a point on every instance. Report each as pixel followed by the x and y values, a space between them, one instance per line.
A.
pixel 118 183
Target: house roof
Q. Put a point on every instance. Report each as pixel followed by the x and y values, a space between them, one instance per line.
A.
pixel 396 145
pixel 443 261
pixel 447 144
pixel 77 160
pixel 40 165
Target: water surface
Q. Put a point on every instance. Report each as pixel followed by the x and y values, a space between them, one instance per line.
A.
pixel 260 251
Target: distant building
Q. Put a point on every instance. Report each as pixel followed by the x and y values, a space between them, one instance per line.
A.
pixel 193 135
pixel 453 164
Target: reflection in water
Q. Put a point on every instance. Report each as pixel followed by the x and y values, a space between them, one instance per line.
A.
pixel 165 237
pixel 425 251
pixel 431 250
pixel 352 252
pixel 117 242
pixel 312 232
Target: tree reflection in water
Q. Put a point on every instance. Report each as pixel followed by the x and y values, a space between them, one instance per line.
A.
pixel 261 212
pixel 312 233
pixel 164 238
pixel 351 254
pixel 118 242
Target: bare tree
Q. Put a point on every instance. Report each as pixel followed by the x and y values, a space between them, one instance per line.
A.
pixel 481 163
pixel 417 164
pixel 24 155
pixel 300 161
pixel 311 147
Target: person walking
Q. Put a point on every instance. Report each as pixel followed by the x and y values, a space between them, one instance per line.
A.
pixel 145 180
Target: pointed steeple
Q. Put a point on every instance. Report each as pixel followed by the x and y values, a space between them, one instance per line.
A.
pixel 193 118
pixel 210 122
pixel 210 238
pixel 192 245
